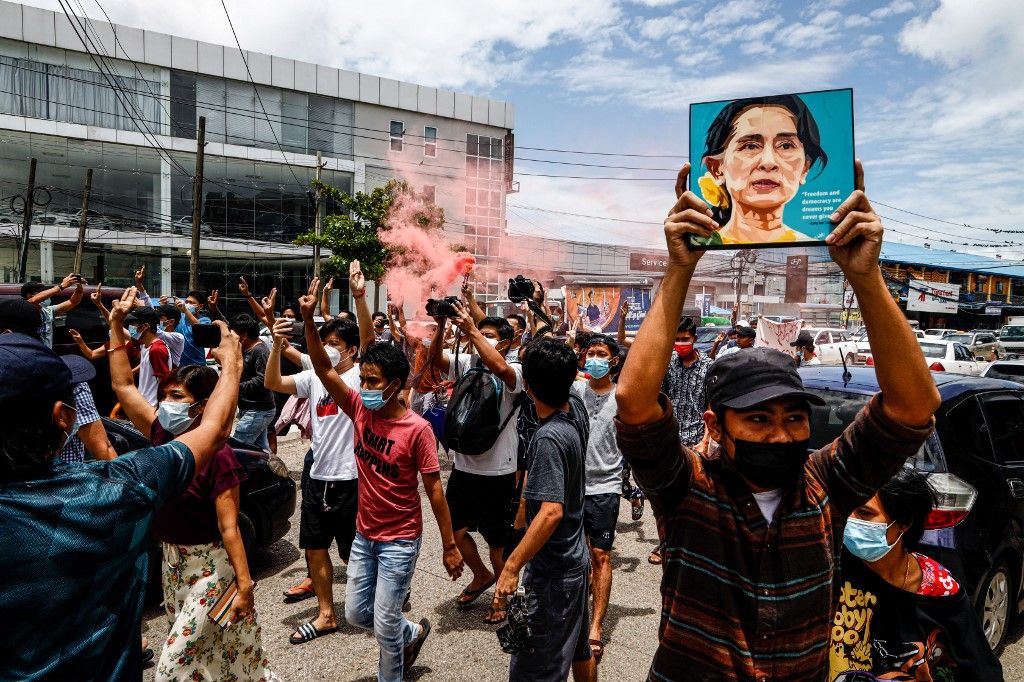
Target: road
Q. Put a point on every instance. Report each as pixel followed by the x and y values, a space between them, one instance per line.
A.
pixel 461 647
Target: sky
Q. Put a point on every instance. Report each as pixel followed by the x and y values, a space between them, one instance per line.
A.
pixel 938 97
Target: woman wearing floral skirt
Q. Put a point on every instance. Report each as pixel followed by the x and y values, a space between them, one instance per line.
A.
pixel 202 546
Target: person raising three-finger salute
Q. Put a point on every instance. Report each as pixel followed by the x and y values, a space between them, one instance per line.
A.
pixel 750 577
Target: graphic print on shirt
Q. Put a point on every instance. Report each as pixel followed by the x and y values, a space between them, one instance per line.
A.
pixel 372 448
pixel 856 656
pixel 326 407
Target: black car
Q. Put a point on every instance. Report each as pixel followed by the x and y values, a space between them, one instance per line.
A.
pixel 975 463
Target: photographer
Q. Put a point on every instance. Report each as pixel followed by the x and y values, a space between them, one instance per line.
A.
pixel 481 486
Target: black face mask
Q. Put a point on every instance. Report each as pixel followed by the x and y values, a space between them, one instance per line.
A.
pixel 771 465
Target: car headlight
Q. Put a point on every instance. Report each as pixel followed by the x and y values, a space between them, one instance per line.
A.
pixel 278 466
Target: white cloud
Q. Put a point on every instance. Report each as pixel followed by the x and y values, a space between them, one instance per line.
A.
pixel 892 9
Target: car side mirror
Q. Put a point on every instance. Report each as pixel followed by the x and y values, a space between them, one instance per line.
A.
pixel 978 358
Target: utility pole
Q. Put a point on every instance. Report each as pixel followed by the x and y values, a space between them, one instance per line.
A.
pixel 739 262
pixel 77 269
pixel 317 220
pixel 197 207
pixel 26 223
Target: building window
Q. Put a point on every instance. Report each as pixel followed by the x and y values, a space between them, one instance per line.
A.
pixel 397 135
pixel 1000 287
pixel 429 141
pixel 429 193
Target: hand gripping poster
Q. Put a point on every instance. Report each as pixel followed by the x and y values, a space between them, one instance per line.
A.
pixel 772 169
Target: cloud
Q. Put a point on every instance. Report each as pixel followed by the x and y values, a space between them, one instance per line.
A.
pixel 892 9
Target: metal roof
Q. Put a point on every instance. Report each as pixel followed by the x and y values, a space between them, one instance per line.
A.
pixel 950 260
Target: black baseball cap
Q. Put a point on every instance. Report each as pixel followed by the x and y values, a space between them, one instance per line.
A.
pixel 31 375
pixel 754 376
pixel 746 332
pixel 145 315
pixel 803 340
pixel 81 369
pixel 18 315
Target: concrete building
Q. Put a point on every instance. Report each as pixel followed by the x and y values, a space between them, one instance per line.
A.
pixel 58 105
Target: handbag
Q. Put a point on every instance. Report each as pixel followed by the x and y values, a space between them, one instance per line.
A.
pixel 222 607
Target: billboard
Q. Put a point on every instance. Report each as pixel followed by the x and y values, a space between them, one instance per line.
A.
pixel 646 261
pixel 597 307
pixel 932 297
pixel 796 279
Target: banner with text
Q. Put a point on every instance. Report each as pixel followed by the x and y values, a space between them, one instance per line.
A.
pixel 932 297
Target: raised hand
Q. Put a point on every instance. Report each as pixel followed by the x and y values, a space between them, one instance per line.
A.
pixel 689 215
pixel 97 296
pixel 230 349
pixel 140 276
pixel 120 308
pixel 330 282
pixel 463 320
pixel 356 280
pixel 267 303
pixel 467 289
pixel 243 287
pixel 282 330
pixel 211 300
pixel 624 309
pixel 67 281
pixel 856 242
pixel 308 303
pixel 75 335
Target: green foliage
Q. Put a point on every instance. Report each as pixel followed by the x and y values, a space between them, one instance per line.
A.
pixel 355 233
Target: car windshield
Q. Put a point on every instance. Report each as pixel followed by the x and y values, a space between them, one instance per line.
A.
pixel 960 338
pixel 933 350
pixel 708 335
pixel 1001 370
pixel 1012 332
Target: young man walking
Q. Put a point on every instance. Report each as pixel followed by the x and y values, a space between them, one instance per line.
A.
pixel 553 551
pixel 255 401
pixel 392 445
pixel 751 569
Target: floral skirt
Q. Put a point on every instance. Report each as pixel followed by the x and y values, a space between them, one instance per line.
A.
pixel 197 648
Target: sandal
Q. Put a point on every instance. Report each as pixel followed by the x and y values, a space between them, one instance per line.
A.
pixel 597 650
pixel 298 593
pixel 307 632
pixel 496 616
pixel 469 596
pixel 638 509
pixel 655 557
pixel 410 652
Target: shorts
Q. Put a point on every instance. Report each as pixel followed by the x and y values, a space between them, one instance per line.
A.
pixel 600 516
pixel 481 503
pixel 559 616
pixel 328 514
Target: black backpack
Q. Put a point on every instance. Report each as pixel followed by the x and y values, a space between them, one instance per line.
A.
pixel 472 422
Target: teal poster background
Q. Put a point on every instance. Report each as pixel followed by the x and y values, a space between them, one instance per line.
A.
pixel 825 188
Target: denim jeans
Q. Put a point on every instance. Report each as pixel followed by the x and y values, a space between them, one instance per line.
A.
pixel 379 576
pixel 252 426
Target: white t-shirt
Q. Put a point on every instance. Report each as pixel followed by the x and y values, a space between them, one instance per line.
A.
pixel 502 458
pixel 728 351
pixel 769 501
pixel 175 343
pixel 333 435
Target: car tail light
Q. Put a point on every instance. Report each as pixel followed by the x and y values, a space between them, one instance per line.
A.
pixel 870 362
pixel 954 498
pixel 936 367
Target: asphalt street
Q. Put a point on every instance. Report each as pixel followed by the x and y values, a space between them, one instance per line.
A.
pixel 461 646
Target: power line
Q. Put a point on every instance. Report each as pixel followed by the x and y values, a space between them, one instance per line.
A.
pixel 592 153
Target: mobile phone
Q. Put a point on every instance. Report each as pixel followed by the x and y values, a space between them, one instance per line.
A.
pixel 298 327
pixel 206 335
pixel 78 277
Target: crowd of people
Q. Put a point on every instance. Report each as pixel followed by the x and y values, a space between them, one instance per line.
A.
pixel 778 563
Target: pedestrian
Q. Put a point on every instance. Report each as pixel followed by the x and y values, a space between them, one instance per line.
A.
pixel 482 486
pixel 745 337
pixel 805 354
pixel 392 445
pixel 85 587
pixel 40 295
pixel 901 614
pixel 553 551
pixel 154 357
pixel 255 401
pixel 192 313
pixel 518 323
pixel 751 572
pixel 603 475
pixel 330 483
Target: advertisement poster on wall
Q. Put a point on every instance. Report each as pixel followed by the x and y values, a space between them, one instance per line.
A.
pixel 932 297
pixel 597 307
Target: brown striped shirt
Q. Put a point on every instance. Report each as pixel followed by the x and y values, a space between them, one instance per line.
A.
pixel 742 599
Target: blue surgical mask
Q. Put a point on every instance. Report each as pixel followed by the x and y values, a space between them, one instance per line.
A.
pixel 597 367
pixel 191 308
pixel 373 399
pixel 867 540
pixel 134 332
pixel 173 417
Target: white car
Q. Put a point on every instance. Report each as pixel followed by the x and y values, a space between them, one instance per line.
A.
pixel 950 356
pixel 1011 370
pixel 833 345
pixel 864 348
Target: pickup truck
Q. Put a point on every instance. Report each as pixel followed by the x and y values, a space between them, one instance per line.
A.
pixel 1012 337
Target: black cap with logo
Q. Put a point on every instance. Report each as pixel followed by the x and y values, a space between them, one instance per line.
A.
pixel 753 376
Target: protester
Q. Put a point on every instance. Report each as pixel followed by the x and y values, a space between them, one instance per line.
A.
pixel 805 354
pixel 255 402
pixel 89 432
pixel 481 486
pixel 745 595
pixel 198 532
pixel 518 324
pixel 154 357
pixel 39 295
pixel 727 338
pixel 900 612
pixel 84 587
pixel 553 550
pixel 603 475
pixel 392 444
pixel 330 482
pixel 745 337
pixel 381 332
pixel 166 331
pixel 192 313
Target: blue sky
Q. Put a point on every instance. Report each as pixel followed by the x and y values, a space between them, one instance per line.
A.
pixel 937 90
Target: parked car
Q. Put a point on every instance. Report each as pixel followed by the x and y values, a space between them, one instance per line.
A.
pixel 864 347
pixel 949 356
pixel 983 344
pixel 833 345
pixel 939 333
pixel 706 337
pixel 1010 370
pixel 1011 335
pixel 975 464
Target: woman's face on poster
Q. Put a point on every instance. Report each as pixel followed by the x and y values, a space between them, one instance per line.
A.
pixel 764 162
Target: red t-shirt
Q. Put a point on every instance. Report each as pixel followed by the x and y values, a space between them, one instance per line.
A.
pixel 389 454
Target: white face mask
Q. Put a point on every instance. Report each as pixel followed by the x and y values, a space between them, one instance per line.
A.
pixel 334 355
pixel 493 342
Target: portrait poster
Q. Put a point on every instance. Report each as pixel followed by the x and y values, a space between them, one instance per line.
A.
pixel 772 169
pixel 597 308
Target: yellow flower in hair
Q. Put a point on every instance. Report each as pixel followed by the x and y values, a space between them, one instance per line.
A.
pixel 713 193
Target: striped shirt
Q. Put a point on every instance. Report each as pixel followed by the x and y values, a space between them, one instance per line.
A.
pixel 742 599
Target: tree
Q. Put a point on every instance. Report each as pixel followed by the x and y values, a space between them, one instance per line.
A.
pixel 355 233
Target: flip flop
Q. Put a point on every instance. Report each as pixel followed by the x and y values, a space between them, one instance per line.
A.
pixel 655 558
pixel 638 509
pixel 410 653
pixel 307 632
pixel 597 650
pixel 469 596
pixel 495 616
pixel 292 594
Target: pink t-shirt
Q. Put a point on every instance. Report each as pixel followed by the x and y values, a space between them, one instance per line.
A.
pixel 389 454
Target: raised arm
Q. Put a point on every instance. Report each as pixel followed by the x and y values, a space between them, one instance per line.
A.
pixel 489 355
pixel 87 353
pixel 621 332
pixel 272 379
pixel 52 291
pixel 211 306
pixel 475 311
pixel 76 298
pixel 435 354
pixel 325 308
pixel 357 285
pixel 257 309
pixel 134 404
pixel 908 388
pixel 97 300
pixel 640 381
pixel 397 333
pixel 140 286
pixel 315 347
pixel 191 318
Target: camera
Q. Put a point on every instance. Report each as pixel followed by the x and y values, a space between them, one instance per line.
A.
pixel 514 636
pixel 444 307
pixel 206 335
pixel 520 289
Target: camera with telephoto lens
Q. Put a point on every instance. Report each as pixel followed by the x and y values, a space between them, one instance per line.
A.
pixel 514 636
pixel 520 289
pixel 444 307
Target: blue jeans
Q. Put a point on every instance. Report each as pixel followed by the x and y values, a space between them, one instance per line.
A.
pixel 379 576
pixel 252 426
